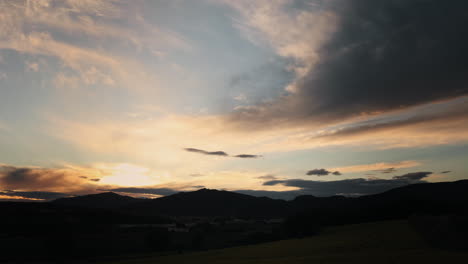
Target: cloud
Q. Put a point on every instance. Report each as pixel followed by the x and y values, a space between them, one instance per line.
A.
pixel 439 123
pixel 291 32
pixel 222 153
pixel 387 170
pixel 414 176
pixel 43 179
pixel 241 97
pixel 351 186
pixel 379 166
pixel 407 57
pixel 86 45
pixel 247 156
pixel 380 56
pixel 72 179
pixel 32 66
pixel 322 172
pixel 267 177
pixel 32 196
pixel 318 172
pixel 134 190
pixel 215 153
pixel 445 172
pixel 89 18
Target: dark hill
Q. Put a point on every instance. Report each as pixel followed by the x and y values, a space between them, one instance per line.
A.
pixel 108 200
pixel 396 203
pixel 207 202
pixel 425 198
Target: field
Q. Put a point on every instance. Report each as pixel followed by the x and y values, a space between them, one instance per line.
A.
pixel 382 242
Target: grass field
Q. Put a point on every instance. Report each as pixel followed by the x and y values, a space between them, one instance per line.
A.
pixel 383 242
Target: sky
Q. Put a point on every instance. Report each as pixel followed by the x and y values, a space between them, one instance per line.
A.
pixel 270 98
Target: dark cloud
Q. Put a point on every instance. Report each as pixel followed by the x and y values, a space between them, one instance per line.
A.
pixel 435 117
pixel 267 177
pixel 391 54
pixel 247 156
pixel 275 182
pixel 384 55
pixel 322 172
pixel 136 190
pixel 215 153
pixel 445 172
pixel 46 196
pixel 351 186
pixel 318 172
pixel 44 179
pixel 414 176
pixel 60 180
pixel 221 153
pixel 387 170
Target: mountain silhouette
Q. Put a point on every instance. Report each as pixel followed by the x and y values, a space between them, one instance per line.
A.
pixel 206 202
pixel 395 203
pixel 101 200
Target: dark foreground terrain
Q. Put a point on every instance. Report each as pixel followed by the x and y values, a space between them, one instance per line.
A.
pixel 379 242
pixel 109 226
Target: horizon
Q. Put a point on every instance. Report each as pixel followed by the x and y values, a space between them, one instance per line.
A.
pixel 271 195
pixel 266 98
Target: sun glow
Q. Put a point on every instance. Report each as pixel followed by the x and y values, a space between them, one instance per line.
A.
pixel 129 175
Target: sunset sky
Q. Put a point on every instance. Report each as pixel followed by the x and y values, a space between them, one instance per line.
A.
pixel 265 97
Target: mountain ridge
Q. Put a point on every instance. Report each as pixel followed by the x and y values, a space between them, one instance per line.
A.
pixel 212 202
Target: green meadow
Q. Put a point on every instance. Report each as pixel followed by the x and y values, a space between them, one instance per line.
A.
pixel 381 242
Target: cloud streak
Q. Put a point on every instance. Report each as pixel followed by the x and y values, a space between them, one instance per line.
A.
pixel 247 156
pixel 379 166
pixel 31 196
pixel 153 191
pixel 357 186
pixel 221 153
pixel 322 172
pixel 214 153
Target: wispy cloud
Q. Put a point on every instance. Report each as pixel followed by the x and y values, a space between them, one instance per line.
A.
pixel 247 156
pixel 222 153
pixel 38 28
pixel 30 196
pixel 351 186
pixel 267 177
pixel 214 153
pixel 135 190
pixel 322 172
pixel 381 166
pixel 387 170
pixel 292 33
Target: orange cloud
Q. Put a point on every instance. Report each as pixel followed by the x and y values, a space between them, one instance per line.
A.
pixel 379 166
